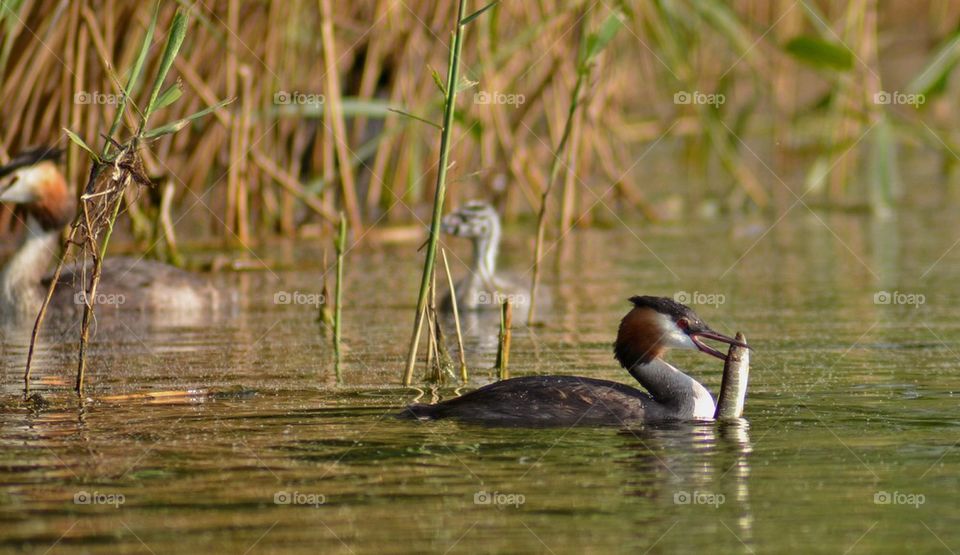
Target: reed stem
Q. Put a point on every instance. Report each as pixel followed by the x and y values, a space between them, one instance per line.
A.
pixel 503 349
pixel 166 225
pixel 432 367
pixel 445 139
pixel 554 172
pixel 456 318
pixel 338 309
pixel 339 131
pixel 591 45
pixel 325 315
pixel 91 297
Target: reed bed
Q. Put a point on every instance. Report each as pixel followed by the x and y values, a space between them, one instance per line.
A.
pixel 312 132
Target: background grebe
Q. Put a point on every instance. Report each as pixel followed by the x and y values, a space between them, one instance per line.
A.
pixel 33 181
pixel 481 288
pixel 654 325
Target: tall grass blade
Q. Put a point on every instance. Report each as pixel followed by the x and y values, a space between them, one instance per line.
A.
pixel 935 74
pixel 178 31
pixel 478 13
pixel 171 95
pixel 133 80
pixel 82 144
pixel 414 117
pixel 596 42
pixel 820 53
pixel 175 126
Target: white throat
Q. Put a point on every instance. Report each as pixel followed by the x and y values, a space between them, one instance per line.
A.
pixel 682 395
pixel 20 278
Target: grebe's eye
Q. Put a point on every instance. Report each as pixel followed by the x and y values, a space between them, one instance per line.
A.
pixel 683 323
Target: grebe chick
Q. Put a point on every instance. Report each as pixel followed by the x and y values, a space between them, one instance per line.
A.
pixel 481 288
pixel 33 181
pixel 647 332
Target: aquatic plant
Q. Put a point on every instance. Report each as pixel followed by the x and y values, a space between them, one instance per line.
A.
pixel 503 344
pixel 341 247
pixel 450 88
pixel 456 317
pixel 116 168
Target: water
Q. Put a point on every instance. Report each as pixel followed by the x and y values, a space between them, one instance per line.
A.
pixel 851 443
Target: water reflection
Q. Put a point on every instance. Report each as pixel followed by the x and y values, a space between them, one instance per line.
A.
pixel 701 464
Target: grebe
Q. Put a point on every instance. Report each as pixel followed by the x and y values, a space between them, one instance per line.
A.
pixel 653 326
pixel 131 283
pixel 482 288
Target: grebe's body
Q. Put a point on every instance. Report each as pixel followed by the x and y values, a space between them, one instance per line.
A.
pixel 481 288
pixel 126 283
pixel 653 326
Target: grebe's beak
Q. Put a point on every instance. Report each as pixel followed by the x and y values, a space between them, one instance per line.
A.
pixel 710 334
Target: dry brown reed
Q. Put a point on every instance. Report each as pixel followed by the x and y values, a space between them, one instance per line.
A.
pixel 311 133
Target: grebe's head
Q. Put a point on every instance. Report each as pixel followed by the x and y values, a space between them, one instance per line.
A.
pixel 32 180
pixel 657 324
pixel 474 220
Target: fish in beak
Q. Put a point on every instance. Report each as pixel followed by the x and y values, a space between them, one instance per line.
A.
pixel 706 333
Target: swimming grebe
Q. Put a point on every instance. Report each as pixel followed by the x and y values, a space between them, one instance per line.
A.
pixel 130 283
pixel 653 326
pixel 482 288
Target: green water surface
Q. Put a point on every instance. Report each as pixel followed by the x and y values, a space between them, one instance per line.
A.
pixel 850 443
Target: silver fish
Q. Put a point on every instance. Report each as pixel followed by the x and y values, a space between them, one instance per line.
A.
pixel 733 388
